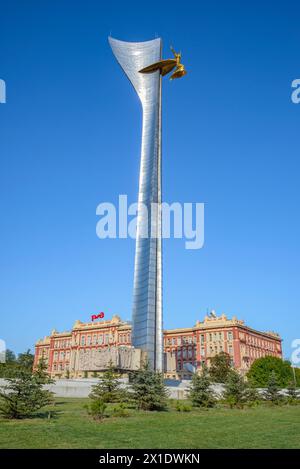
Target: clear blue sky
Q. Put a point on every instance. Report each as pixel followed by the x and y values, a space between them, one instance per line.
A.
pixel 70 139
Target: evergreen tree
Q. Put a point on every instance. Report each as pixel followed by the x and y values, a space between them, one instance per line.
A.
pixel 271 394
pixel 8 366
pixel 235 390
pixel 10 356
pixel 41 374
pixel 25 360
pixel 149 391
pixel 96 409
pixel 108 388
pixel 23 396
pixel 200 392
pixel 252 395
pixel 292 393
pixel 220 367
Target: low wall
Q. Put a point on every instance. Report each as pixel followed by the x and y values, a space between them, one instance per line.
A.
pixel 81 387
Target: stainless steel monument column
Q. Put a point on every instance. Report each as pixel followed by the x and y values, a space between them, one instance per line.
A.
pixel 147 300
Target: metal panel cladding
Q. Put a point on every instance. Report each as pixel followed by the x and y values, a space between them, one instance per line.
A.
pixel 147 296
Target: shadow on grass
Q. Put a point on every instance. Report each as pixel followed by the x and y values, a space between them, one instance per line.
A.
pixel 47 415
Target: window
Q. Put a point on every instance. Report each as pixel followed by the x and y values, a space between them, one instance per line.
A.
pixel 89 340
pixel 202 339
pixel 229 335
pixel 230 350
pixel 178 340
pixel 94 339
pixel 106 338
pixel 174 341
pixel 82 340
pixel 202 352
pixel 100 339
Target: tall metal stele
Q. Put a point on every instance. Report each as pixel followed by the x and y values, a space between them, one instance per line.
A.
pixel 141 62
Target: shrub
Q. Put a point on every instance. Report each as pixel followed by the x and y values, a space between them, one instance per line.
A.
pixel 120 410
pixel 182 407
pixel 96 409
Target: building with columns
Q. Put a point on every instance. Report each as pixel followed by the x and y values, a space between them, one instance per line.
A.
pixel 87 349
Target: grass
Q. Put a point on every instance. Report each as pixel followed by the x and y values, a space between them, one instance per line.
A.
pixel 71 427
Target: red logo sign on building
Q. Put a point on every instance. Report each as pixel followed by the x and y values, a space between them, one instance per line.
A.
pixel 97 316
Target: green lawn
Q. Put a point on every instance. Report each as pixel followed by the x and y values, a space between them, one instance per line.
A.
pixel 71 427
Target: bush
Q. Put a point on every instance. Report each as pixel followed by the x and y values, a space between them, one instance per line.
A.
pixel 120 410
pixel 182 407
pixel 96 409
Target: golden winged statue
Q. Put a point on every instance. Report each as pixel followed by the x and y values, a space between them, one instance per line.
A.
pixel 166 66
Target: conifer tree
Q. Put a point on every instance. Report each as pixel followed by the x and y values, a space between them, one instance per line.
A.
pixel 292 393
pixel 108 388
pixel 235 390
pixel 41 374
pixel 23 395
pixel 200 392
pixel 272 394
pixel 149 391
pixel 252 395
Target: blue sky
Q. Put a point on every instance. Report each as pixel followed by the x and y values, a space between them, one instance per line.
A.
pixel 70 139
